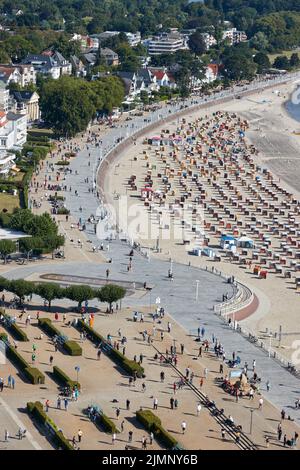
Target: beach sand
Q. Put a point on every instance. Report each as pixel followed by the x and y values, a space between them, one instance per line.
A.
pixel 274 134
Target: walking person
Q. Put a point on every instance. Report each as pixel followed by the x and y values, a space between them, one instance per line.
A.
pixel 113 438
pixel 155 403
pixel 79 434
pixel 183 427
pixel 198 409
pixel 260 403
pixel 6 435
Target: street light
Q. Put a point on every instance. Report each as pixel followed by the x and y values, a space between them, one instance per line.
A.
pixel 270 344
pixel 77 368
pixel 251 419
pixel 197 289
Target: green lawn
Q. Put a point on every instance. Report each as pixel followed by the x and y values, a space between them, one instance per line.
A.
pixel 288 54
pixel 9 202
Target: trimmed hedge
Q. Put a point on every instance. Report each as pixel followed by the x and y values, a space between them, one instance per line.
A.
pixel 15 330
pixel 36 410
pixel 34 375
pixel 46 325
pixel 3 336
pixel 152 423
pixel 72 348
pixel 62 163
pixel 128 365
pixel 107 424
pixel 31 373
pixel 64 379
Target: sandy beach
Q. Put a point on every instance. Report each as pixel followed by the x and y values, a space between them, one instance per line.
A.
pixel 274 134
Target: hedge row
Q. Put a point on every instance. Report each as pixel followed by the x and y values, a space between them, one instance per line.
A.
pixel 14 329
pixel 64 379
pixel 48 327
pixel 71 347
pixel 119 358
pixel 106 423
pixel 153 424
pixel 3 336
pixel 36 410
pixel 34 375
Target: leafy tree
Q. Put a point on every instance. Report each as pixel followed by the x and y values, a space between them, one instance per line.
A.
pixel 111 293
pixel 197 44
pixel 282 63
pixel 28 245
pixel 259 41
pixel 6 248
pixel 294 60
pixel 263 62
pixel 49 291
pixel 53 242
pixel 80 294
pixel 21 288
pixel 4 283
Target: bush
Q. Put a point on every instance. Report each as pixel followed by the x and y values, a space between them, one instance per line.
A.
pixel 36 410
pixel 3 336
pixel 18 333
pixel 31 373
pixel 15 330
pixel 63 211
pixel 117 356
pixel 34 375
pixel 106 423
pixel 62 163
pixel 15 357
pixel 72 348
pixel 64 379
pixel 46 325
pixel 152 423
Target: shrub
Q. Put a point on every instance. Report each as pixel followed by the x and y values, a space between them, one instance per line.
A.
pixel 15 357
pixel 152 423
pixel 128 365
pixel 46 325
pixel 63 211
pixel 3 336
pixel 34 375
pixel 72 348
pixel 31 373
pixel 15 330
pixel 36 410
pixel 62 163
pixel 64 379
pixel 106 423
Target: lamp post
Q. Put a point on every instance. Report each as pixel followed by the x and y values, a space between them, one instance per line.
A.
pixel 171 266
pixel 270 344
pixel 197 289
pixel 251 419
pixel 77 368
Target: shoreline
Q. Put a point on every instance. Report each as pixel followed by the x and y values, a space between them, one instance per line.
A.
pixel 270 301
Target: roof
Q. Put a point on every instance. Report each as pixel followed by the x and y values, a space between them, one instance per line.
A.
pixel 105 51
pixel 13 116
pixel 159 74
pixel 23 95
pixel 90 57
pixel 146 75
pixel 8 234
pixel 127 75
pixel 214 68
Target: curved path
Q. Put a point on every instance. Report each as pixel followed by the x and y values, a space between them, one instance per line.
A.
pixel 178 297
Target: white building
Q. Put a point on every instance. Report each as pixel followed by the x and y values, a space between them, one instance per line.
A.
pixel 13 131
pixel 166 43
pixel 209 40
pixel 133 38
pixel 234 36
pixel 7 162
pixel 4 97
